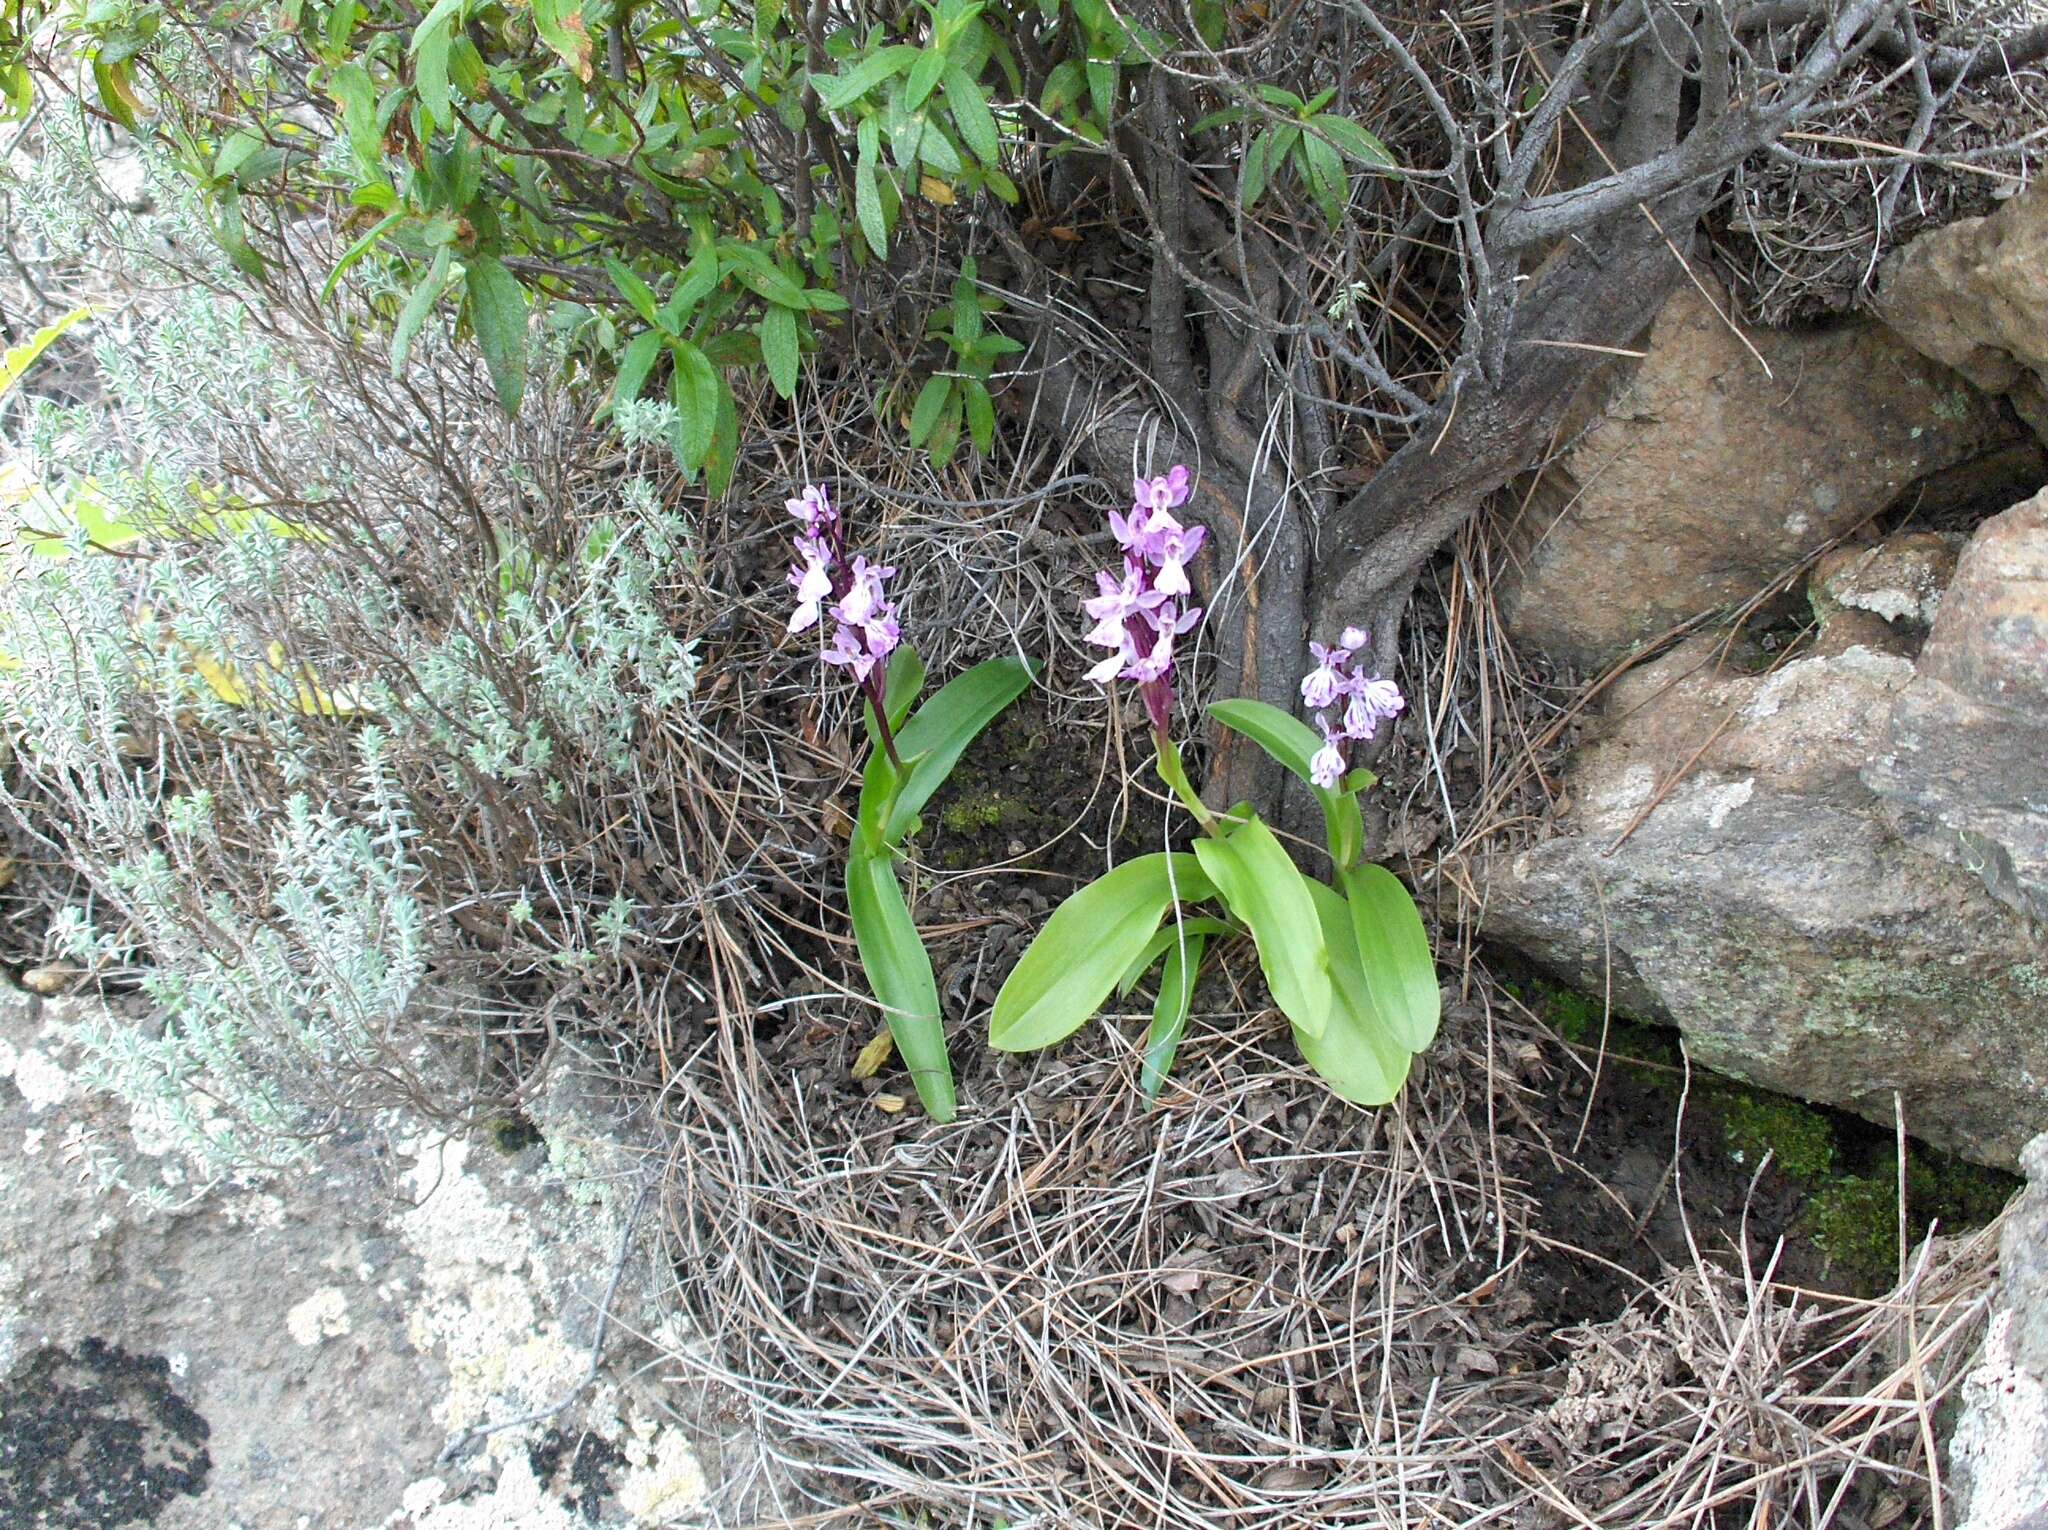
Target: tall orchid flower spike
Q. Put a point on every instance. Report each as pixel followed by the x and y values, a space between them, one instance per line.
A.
pixel 864 626
pixel 1138 615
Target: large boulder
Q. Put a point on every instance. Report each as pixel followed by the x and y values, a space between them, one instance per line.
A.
pixel 1694 476
pixel 1964 760
pixel 1722 861
pixel 1974 296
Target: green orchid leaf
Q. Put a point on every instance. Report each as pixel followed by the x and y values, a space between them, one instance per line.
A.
pixel 1357 1054
pixel 1170 1013
pixel 1261 886
pixel 1166 940
pixel 932 742
pixel 1068 971
pixel 1294 743
pixel 1393 949
pixel 900 974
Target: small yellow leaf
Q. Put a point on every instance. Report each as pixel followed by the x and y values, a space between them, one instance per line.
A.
pixel 874 1054
pixel 889 1104
pixel 935 190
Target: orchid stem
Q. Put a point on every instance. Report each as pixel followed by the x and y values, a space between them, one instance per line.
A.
pixel 879 703
pixel 1175 775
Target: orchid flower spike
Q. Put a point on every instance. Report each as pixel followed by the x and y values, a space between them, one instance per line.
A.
pixel 1368 700
pixel 1139 615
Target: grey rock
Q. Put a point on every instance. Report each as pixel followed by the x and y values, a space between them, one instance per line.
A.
pixel 1973 295
pixel 1998 1454
pixel 1964 762
pixel 1693 477
pixel 1765 906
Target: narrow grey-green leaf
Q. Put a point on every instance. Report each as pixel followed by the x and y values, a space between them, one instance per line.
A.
pixel 1065 974
pixel 1262 888
pixel 1393 949
pixel 924 74
pixel 900 973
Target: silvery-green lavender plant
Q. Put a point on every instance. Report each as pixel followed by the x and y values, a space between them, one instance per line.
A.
pixel 909 759
pixel 239 779
pixel 1350 967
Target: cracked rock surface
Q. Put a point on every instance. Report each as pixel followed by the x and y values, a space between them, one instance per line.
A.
pixel 294 1354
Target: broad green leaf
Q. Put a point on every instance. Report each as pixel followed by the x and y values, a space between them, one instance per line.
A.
pixel 1168 937
pixel 931 398
pixel 632 289
pixel 444 12
pixel 1354 142
pixel 924 74
pixel 972 117
pixel 1261 886
pixel 779 348
pixel 1393 949
pixel 635 365
pixel 19 358
pixel 699 281
pixel 1102 82
pixel 1066 973
pixel 1170 1013
pixel 902 684
pixel 694 390
pixel 937 151
pixel 1357 1054
pixel 839 91
pixel 1294 743
pixel 1063 87
pixel 932 742
pixel 497 311
pixel 900 973
pixel 724 457
pixel 414 314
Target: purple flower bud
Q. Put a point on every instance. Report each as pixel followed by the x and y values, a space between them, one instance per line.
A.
pixel 1354 638
pixel 814 508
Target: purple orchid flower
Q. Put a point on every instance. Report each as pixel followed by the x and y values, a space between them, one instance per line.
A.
pixel 1138 616
pixel 864 626
pixel 1368 700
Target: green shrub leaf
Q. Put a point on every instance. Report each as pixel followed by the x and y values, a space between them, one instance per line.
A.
pixel 497 312
pixel 779 348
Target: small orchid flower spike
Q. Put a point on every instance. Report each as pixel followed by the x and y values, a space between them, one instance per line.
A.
pixel 1368 700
